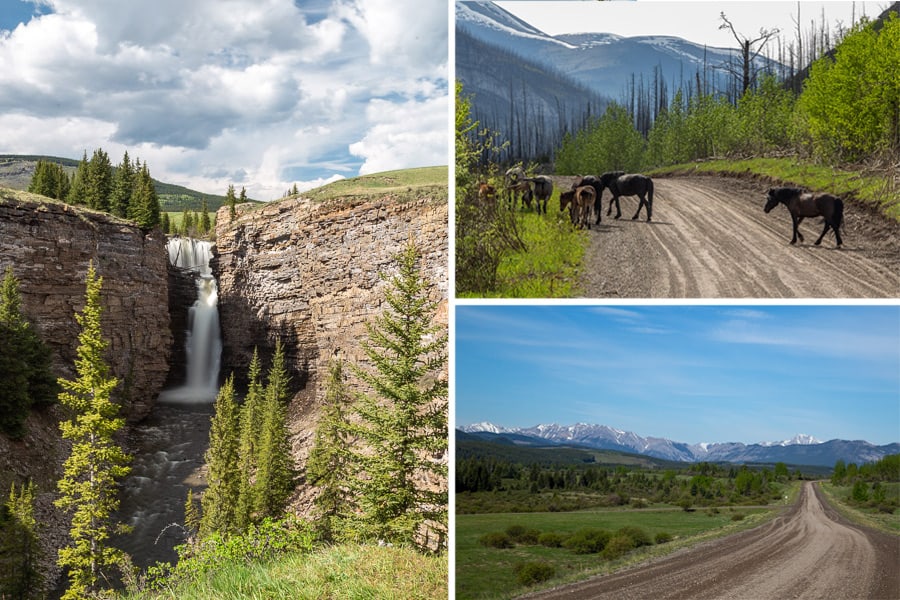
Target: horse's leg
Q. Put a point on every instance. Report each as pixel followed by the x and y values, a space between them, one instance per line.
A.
pixel 794 223
pixel 598 207
pixel 797 227
pixel 618 207
pixel 640 206
pixel 824 231
pixel 837 233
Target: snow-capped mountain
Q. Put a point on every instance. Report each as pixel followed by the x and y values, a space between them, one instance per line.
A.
pixel 802 449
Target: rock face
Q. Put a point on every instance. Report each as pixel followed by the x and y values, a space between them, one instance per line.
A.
pixel 49 246
pixel 308 273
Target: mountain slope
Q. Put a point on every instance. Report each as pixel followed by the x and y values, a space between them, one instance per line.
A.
pixel 801 450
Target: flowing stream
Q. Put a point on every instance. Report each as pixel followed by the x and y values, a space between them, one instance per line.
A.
pixel 168 445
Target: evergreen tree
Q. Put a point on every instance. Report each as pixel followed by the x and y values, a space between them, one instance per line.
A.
pixel 144 204
pixel 164 223
pixel 78 188
pixel 61 191
pixel 205 225
pixel 90 473
pixel 191 514
pixel 243 196
pixel 404 424
pixel 230 201
pixel 329 466
pixel 98 181
pixel 24 362
pixel 220 499
pixel 122 187
pixel 187 223
pixel 251 432
pixel 40 180
pixel 19 548
pixel 274 475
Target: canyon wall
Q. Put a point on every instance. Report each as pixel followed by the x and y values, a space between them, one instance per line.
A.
pixel 49 245
pixel 310 274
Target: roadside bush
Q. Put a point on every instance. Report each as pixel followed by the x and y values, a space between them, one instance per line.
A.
pixel 587 541
pixel 496 539
pixel 636 534
pixel 551 539
pixel 522 535
pixel 532 572
pixel 737 517
pixel 638 503
pixel 663 537
pixel 619 545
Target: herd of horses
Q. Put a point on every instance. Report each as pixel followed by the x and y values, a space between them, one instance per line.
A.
pixel 584 199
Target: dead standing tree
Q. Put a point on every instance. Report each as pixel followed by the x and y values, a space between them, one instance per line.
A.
pixel 750 51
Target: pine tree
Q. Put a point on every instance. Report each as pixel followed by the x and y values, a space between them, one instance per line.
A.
pixel 191 514
pixel 404 425
pixel 90 473
pixel 19 548
pixel 251 431
pixel 230 201
pixel 274 475
pixel 243 197
pixel 220 499
pixel 78 188
pixel 164 223
pixel 122 187
pixel 187 224
pixel 98 181
pixel 329 467
pixel 204 217
pixel 144 204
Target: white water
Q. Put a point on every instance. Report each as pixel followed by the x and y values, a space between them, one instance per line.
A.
pixel 203 340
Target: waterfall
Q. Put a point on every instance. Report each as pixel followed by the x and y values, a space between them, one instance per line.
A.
pixel 203 340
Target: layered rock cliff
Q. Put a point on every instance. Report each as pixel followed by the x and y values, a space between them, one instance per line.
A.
pixel 49 245
pixel 309 274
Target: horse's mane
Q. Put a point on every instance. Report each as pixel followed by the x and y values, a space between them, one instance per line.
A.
pixel 785 193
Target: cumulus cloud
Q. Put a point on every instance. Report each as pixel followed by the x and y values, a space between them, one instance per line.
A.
pixel 249 91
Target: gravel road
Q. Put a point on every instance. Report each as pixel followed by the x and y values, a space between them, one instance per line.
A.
pixel 710 238
pixel 808 552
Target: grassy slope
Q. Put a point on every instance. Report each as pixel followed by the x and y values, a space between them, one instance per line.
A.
pixel 338 572
pixel 873 188
pixel 404 184
pixel 889 523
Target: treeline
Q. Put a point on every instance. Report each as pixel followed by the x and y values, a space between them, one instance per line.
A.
pixel 24 362
pixel 848 110
pixel 126 191
pixel 702 484
pixel 874 485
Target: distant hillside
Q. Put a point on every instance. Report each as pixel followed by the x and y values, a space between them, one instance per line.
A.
pixel 16 172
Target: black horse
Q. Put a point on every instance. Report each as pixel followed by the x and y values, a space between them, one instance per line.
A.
pixel 621 184
pixel 803 204
pixel 595 183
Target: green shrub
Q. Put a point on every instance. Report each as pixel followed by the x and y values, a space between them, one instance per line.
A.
pixel 618 545
pixel 551 539
pixel 496 539
pixel 532 572
pixel 587 541
pixel 663 537
pixel 737 517
pixel 637 535
pixel 522 535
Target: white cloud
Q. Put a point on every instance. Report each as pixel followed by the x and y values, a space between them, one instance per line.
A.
pixel 265 93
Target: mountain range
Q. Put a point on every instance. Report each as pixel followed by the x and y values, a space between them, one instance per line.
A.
pixel 800 450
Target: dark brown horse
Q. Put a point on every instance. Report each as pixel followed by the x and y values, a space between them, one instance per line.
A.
pixel 803 204
pixel 628 185
pixel 595 182
pixel 543 188
pixel 580 202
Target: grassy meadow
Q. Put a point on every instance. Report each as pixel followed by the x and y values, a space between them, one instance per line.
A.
pixel 867 516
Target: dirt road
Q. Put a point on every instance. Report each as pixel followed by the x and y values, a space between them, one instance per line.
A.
pixel 809 552
pixel 711 239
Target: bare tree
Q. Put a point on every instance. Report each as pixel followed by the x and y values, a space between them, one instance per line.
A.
pixel 750 50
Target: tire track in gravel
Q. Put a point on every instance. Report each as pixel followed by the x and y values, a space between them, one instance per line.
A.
pixel 807 553
pixel 711 239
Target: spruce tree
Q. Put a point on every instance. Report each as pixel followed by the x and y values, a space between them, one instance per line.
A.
pixel 144 204
pixel 220 499
pixel 230 201
pixel 329 464
pixel 251 431
pixel 403 425
pixel 88 488
pixel 122 187
pixel 78 188
pixel 164 223
pixel 98 181
pixel 191 514
pixel 204 218
pixel 19 548
pixel 243 197
pixel 274 475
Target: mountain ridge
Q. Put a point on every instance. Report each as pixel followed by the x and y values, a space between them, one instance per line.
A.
pixel 802 449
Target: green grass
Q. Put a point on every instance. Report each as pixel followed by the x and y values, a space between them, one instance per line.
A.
pixel 550 266
pixel 483 572
pixel 870 517
pixel 340 572
pixel 874 188
pixel 404 184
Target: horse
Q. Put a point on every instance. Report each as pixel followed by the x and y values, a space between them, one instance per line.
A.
pixel 543 188
pixel 804 204
pixel 595 183
pixel 486 192
pixel 580 202
pixel 621 184
pixel 515 183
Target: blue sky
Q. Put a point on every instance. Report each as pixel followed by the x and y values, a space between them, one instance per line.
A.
pixel 259 93
pixel 688 373
pixel 697 21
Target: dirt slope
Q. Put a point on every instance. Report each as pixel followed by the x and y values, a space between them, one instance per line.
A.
pixel 809 552
pixel 711 239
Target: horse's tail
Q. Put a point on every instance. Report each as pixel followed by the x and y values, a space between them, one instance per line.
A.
pixel 838 214
pixel 650 191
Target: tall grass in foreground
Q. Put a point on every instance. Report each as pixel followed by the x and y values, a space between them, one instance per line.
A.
pixel 338 572
pixel 549 266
